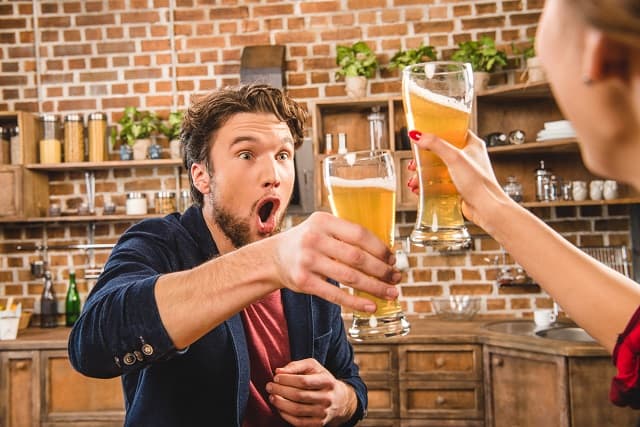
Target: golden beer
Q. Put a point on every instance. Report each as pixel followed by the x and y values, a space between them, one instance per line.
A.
pixel 439 222
pixel 371 203
pixel 362 190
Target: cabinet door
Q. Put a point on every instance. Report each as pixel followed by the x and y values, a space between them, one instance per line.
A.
pixel 69 397
pixel 11 183
pixel 379 369
pixel 525 389
pixel 19 400
pixel 589 381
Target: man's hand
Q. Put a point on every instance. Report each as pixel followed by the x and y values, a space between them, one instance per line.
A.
pixel 324 246
pixel 306 394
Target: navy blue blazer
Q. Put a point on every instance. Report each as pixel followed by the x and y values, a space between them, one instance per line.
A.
pixel 119 333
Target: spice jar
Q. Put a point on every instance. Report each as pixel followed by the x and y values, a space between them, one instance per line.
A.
pixel 185 200
pixel 97 130
pixel 513 188
pixel 73 138
pixel 50 146
pixel 136 203
pixel 165 202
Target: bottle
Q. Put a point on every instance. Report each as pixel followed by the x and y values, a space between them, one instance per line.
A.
pixel 48 304
pixel 542 178
pixel 72 302
pixel 342 143
pixel 377 129
pixel 328 144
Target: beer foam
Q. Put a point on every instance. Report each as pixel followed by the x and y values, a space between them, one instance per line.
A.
pixel 436 98
pixel 384 183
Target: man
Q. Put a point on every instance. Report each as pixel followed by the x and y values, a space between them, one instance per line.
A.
pixel 213 317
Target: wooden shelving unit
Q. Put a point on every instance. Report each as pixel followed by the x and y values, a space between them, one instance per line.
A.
pixel 112 164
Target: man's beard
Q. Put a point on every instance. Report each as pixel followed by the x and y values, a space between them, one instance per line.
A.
pixel 237 229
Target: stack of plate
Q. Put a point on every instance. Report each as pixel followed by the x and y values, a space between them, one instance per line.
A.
pixel 556 130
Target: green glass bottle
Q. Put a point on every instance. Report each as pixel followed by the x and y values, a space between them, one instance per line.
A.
pixel 72 303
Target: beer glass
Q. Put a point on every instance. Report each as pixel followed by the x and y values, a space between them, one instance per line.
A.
pixel 362 189
pixel 437 98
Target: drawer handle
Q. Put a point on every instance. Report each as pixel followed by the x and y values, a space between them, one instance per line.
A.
pixel 21 365
pixel 440 400
pixel 498 361
pixel 440 362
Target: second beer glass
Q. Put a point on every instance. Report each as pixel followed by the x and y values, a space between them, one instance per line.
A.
pixel 362 189
pixel 437 98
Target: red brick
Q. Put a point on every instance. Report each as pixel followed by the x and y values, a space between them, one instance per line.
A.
pixel 319 7
pixel 343 35
pixel 482 23
pixel 387 30
pixel 115 47
pixel 524 18
pixel 295 37
pixel 366 4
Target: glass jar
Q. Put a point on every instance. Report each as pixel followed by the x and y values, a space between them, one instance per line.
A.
pixel 377 129
pixel 136 203
pixel 185 200
pixel 73 138
pixel 165 202
pixel 97 135
pixel 513 189
pixel 50 145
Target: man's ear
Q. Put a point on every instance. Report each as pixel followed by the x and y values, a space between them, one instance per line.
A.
pixel 604 58
pixel 200 177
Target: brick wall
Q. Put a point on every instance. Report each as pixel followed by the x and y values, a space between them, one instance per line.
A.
pixel 91 55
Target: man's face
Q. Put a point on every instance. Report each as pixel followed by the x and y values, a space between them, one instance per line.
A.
pixel 253 177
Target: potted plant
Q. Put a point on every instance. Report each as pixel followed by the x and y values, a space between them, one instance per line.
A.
pixel 484 58
pixel 402 58
pixel 357 63
pixel 534 70
pixel 171 129
pixel 136 129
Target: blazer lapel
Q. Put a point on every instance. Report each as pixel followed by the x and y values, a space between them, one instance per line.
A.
pixel 236 330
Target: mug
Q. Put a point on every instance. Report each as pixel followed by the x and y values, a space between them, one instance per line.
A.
pixel 544 317
pixel 595 189
pixel 579 190
pixel 610 190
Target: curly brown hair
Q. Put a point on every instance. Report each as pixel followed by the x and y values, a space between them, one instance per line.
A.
pixel 208 114
pixel 619 18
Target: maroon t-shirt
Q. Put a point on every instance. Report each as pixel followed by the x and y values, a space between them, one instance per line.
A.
pixel 268 343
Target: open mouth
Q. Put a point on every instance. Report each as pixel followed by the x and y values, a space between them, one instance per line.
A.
pixel 267 209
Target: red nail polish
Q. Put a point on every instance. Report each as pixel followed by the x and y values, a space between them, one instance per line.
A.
pixel 415 135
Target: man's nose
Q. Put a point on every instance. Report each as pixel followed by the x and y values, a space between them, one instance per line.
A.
pixel 271 176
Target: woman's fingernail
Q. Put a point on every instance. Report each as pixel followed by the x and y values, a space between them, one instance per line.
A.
pixel 412 163
pixel 415 135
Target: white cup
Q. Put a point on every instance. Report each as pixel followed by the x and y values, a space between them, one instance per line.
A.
pixel 610 190
pixel 579 190
pixel 544 317
pixel 595 189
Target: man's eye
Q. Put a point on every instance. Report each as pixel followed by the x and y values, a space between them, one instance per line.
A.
pixel 245 155
pixel 284 156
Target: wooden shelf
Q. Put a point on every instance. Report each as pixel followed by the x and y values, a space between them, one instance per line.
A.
pixel 112 164
pixel 520 91
pixel 79 218
pixel 623 201
pixel 568 145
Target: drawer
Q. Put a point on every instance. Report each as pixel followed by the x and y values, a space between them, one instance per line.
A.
pixel 376 361
pixel 383 399
pixel 446 399
pixel 440 362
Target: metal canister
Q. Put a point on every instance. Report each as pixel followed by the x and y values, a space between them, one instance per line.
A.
pixel 136 203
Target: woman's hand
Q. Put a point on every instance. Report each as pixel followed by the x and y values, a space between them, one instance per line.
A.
pixel 470 170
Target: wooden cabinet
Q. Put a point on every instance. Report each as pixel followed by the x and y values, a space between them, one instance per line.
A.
pixel 24 193
pixel 40 388
pixel 526 389
pixel 441 384
pixel 528 107
pixel 350 117
pixel 27 139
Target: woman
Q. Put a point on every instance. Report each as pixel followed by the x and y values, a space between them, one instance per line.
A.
pixel 591 53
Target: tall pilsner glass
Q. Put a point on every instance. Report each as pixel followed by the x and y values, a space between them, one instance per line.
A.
pixel 362 189
pixel 437 98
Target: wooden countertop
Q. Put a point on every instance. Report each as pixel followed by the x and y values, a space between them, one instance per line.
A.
pixel 424 330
